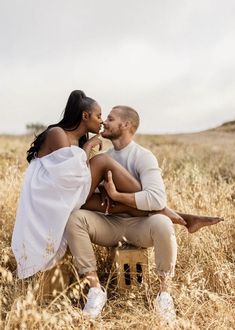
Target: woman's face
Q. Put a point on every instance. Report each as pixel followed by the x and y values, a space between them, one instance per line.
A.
pixel 95 120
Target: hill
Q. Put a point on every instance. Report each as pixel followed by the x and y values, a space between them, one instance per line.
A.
pixel 228 126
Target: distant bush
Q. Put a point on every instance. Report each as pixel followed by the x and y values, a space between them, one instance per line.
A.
pixel 35 128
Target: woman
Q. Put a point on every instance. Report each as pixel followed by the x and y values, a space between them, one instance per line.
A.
pixel 60 178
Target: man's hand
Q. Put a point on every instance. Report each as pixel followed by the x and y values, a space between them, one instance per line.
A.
pixel 127 199
pixel 105 199
pixel 110 186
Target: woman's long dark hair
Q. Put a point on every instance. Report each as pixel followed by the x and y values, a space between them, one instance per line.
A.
pixel 77 103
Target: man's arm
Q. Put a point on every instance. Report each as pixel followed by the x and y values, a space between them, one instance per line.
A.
pixel 128 200
pixel 123 198
pixel 152 197
pixel 94 203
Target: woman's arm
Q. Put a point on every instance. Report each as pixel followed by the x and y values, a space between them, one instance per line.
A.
pixel 91 143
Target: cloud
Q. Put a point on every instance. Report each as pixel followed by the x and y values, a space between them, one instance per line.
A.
pixel 173 61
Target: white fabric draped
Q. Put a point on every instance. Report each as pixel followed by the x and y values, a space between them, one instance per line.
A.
pixel 54 185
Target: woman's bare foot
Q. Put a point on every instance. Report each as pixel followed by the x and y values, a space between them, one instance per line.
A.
pixel 192 222
pixel 196 222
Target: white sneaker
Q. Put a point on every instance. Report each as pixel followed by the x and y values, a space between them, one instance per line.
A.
pixel 166 307
pixel 96 299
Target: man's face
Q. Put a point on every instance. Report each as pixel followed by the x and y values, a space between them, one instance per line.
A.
pixel 113 125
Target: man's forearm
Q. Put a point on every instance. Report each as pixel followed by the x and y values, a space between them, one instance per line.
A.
pixel 126 199
pixel 94 204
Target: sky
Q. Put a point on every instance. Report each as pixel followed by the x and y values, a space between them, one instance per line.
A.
pixel 173 61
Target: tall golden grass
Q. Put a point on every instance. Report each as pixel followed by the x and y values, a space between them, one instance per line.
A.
pixel 199 173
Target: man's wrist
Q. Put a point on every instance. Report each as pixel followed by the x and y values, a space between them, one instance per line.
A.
pixel 125 198
pixel 117 197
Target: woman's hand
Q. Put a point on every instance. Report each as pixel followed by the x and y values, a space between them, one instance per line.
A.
pixel 93 142
pixel 90 144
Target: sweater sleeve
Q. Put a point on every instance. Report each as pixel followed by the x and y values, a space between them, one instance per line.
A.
pixel 153 196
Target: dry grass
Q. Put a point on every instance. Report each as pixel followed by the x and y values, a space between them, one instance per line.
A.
pixel 199 173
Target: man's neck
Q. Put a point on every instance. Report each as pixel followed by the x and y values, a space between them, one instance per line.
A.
pixel 121 142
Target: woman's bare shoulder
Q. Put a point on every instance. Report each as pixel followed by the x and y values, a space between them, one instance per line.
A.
pixel 57 138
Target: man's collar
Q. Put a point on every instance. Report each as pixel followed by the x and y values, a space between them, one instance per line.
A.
pixel 124 146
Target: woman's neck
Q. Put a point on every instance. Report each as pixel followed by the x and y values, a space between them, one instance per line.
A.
pixel 76 134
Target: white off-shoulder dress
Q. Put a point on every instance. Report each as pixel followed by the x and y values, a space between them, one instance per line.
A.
pixel 54 185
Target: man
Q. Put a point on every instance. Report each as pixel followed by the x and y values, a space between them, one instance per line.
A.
pixel 85 227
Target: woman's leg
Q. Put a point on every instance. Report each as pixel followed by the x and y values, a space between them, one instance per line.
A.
pixel 123 180
pixel 94 203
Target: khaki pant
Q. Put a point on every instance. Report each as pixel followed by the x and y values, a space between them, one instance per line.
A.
pixel 86 227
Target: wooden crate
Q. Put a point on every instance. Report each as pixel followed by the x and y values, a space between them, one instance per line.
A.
pixel 132 264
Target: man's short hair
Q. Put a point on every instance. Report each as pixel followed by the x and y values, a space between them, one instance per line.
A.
pixel 129 114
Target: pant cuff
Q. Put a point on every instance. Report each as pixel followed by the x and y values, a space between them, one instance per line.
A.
pixel 84 270
pixel 163 273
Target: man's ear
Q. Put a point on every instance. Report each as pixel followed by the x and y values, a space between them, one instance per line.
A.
pixel 127 125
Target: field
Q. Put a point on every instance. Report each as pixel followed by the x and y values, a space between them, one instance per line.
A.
pixel 199 174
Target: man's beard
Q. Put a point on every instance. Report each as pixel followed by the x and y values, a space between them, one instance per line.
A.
pixel 113 135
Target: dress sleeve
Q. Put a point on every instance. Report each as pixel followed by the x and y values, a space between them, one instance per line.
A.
pixel 67 167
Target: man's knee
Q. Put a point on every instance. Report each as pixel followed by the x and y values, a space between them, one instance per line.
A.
pixel 77 219
pixel 161 225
